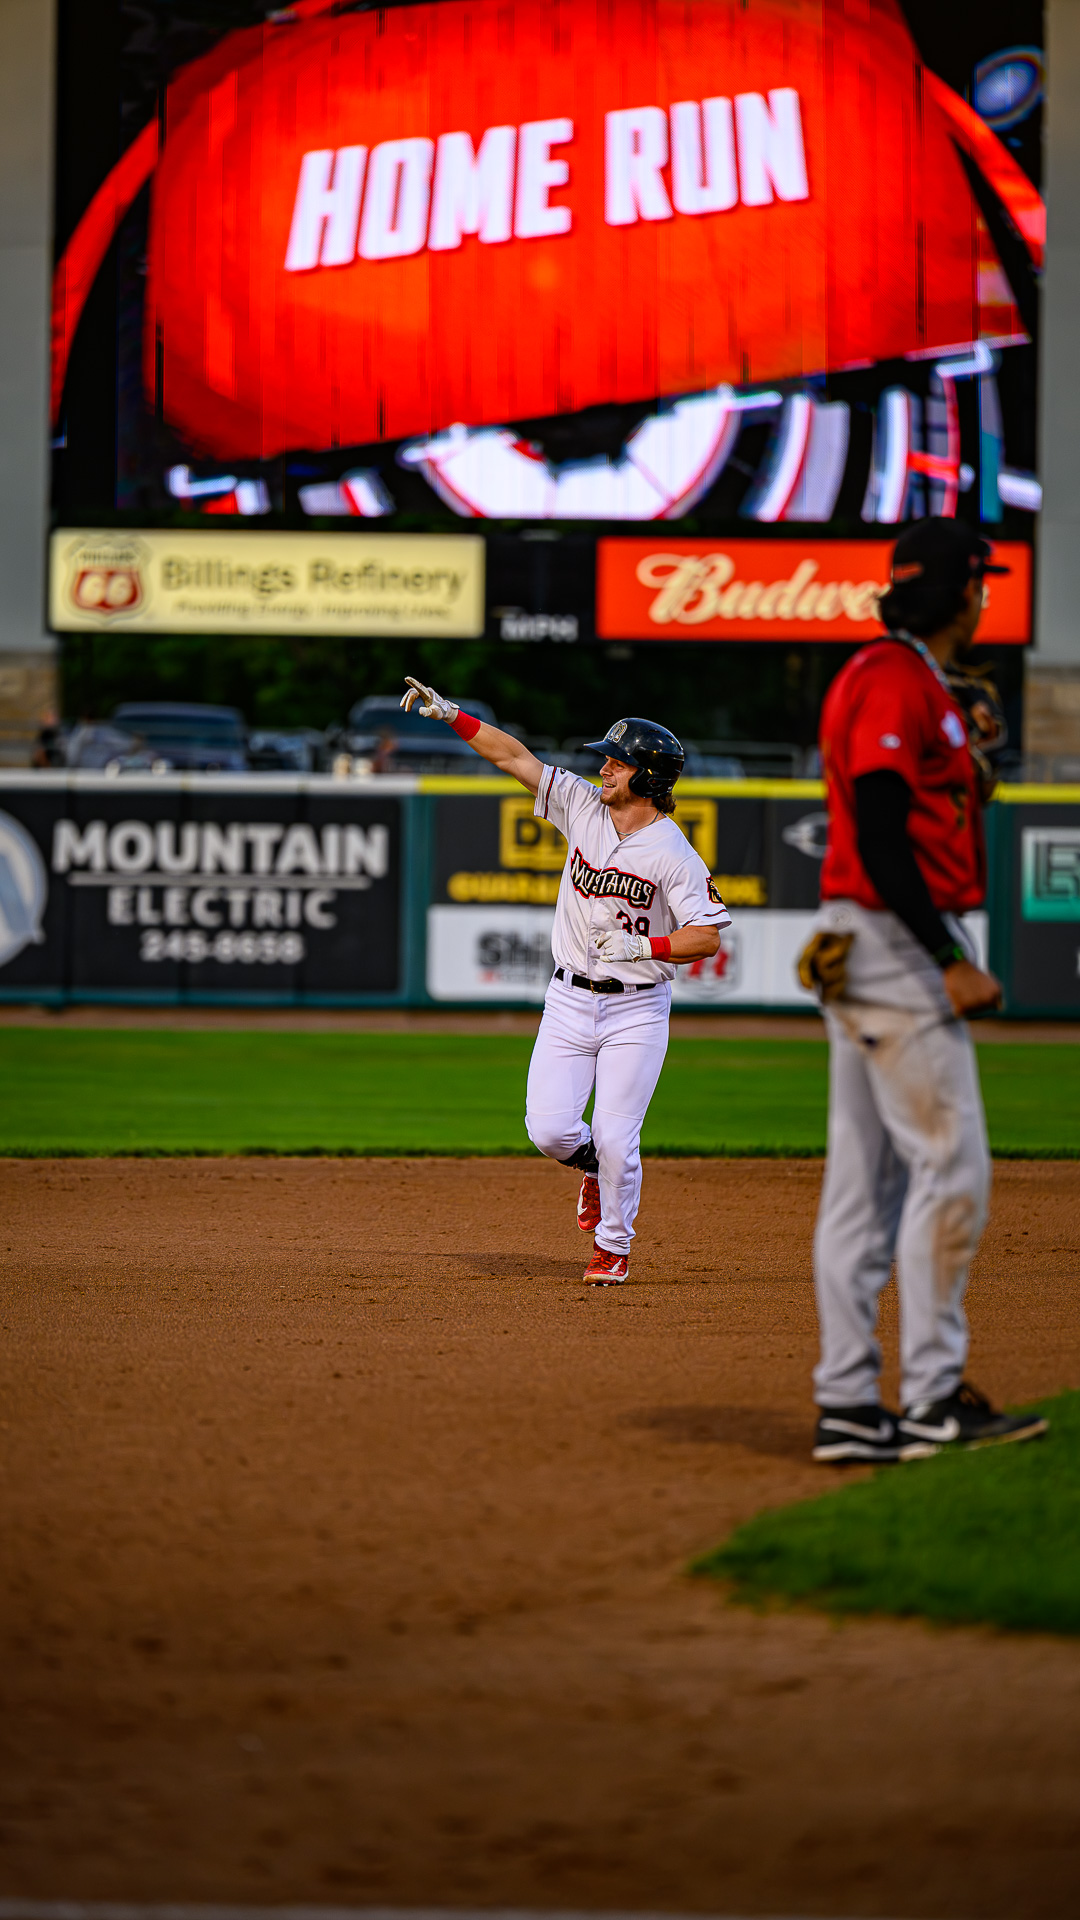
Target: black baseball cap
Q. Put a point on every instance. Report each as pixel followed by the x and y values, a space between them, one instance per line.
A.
pixel 941 553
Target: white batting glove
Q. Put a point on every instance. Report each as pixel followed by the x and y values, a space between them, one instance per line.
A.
pixel 432 704
pixel 619 945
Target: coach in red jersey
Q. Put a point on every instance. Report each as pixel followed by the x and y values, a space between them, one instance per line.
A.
pixel 908 1170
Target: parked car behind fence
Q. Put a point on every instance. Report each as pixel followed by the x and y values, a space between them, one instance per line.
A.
pixel 384 739
pixel 181 738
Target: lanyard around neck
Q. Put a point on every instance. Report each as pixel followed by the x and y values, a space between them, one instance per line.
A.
pixel 920 647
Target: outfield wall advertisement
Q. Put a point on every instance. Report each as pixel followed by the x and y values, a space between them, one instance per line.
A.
pixel 1044 905
pixel 167 890
pixel 356 584
pixel 496 874
pixel 232 889
pixel 762 590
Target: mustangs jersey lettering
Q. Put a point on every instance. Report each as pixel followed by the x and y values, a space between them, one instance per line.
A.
pixel 607 883
pixel 651 882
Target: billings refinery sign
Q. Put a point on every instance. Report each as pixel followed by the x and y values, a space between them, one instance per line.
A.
pixel 247 582
pixel 154 888
pixel 379 223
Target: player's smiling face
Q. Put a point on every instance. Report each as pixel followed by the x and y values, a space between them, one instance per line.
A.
pixel 615 778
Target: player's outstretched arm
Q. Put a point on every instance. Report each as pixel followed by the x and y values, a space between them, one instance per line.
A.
pixel 490 743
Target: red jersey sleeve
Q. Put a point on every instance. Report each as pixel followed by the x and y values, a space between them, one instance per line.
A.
pixel 888 725
pixel 886 711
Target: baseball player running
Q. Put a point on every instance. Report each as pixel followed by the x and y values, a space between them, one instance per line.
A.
pixel 634 900
pixel 908 1169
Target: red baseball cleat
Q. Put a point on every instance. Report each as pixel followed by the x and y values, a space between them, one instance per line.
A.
pixel 606 1269
pixel 588 1204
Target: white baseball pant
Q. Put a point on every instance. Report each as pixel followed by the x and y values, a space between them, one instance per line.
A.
pixel 908 1170
pixel 616 1041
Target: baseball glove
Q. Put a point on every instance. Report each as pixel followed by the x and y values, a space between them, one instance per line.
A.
pixel 980 703
pixel 823 964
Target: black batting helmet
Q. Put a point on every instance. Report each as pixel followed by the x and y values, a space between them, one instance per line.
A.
pixel 655 752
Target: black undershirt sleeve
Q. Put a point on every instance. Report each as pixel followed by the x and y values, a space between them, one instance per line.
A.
pixel 882 804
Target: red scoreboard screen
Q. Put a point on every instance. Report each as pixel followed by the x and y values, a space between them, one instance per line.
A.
pixel 599 261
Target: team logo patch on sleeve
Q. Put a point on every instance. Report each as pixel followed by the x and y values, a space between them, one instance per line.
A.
pixel 609 883
pixel 714 894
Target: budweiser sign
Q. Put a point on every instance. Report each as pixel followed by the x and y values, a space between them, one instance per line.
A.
pixel 774 590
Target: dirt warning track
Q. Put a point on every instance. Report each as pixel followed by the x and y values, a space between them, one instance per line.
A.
pixel 344 1546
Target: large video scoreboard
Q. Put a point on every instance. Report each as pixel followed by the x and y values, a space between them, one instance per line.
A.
pixel 747 266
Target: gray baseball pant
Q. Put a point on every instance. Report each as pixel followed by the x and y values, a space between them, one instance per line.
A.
pixel 908 1169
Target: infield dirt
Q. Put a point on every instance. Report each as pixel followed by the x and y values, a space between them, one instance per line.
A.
pixel 345 1537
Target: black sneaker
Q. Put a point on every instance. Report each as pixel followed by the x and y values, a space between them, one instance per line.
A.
pixel 852 1435
pixel 965 1419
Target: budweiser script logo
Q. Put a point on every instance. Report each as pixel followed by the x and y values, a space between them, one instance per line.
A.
pixel 695 587
pixel 609 883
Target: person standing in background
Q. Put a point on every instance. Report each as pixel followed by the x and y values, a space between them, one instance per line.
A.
pixel 908 1168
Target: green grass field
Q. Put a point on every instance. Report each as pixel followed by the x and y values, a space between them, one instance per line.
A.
pixel 992 1535
pixel 138 1091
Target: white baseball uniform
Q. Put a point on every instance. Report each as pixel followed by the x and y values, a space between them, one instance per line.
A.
pixel 650 882
pixel 908 1173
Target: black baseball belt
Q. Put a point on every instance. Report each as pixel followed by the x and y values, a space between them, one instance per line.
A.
pixel 601 986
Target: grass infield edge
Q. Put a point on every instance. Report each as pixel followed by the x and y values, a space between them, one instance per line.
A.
pixel 390 1152
pixel 767 1562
